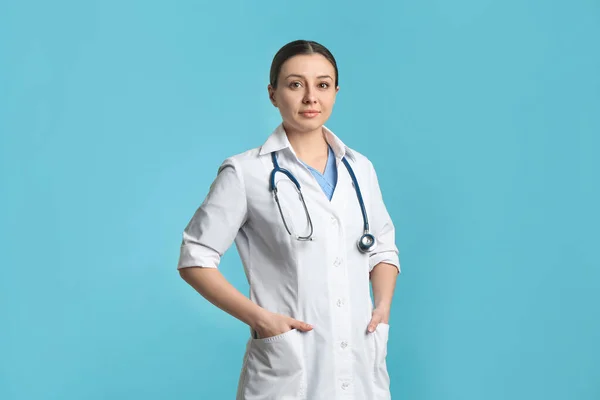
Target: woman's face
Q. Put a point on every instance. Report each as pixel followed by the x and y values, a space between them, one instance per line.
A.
pixel 305 92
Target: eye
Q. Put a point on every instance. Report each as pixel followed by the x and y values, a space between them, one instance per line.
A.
pixel 324 85
pixel 295 85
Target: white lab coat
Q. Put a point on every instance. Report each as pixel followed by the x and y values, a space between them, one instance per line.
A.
pixel 324 282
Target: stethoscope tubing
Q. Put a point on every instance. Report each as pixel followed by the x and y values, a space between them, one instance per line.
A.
pixel 369 238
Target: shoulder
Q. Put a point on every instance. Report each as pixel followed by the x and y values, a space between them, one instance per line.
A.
pixel 359 159
pixel 242 160
pixel 363 168
pixel 244 166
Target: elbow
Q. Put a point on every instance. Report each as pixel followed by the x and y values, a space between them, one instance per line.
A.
pixel 185 273
pixel 188 273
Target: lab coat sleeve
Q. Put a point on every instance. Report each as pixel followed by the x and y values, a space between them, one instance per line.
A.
pixel 382 228
pixel 216 222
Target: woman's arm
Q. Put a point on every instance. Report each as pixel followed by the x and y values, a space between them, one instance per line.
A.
pixel 383 261
pixel 207 236
pixel 213 286
pixel 383 280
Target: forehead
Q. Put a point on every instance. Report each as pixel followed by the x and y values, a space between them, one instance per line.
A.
pixel 307 65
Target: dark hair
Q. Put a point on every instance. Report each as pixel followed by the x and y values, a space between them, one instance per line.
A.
pixel 295 48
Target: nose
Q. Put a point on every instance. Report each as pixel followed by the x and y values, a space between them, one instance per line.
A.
pixel 309 96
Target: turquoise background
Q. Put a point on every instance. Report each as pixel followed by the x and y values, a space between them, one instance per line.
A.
pixel 481 117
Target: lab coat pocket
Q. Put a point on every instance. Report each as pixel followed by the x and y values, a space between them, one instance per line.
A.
pixel 274 368
pixel 381 379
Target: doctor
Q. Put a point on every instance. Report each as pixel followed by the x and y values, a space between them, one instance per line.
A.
pixel 308 219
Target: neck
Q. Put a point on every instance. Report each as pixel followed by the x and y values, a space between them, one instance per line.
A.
pixel 307 145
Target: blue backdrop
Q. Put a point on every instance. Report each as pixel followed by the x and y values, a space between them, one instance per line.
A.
pixel 481 117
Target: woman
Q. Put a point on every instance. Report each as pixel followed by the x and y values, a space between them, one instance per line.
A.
pixel 311 228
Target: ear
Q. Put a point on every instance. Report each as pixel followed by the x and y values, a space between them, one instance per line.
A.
pixel 271 91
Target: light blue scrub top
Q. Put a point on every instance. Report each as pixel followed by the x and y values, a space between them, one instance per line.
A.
pixel 328 179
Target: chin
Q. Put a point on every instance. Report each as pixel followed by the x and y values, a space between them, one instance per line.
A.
pixel 310 125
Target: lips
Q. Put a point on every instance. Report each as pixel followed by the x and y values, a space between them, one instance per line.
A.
pixel 310 113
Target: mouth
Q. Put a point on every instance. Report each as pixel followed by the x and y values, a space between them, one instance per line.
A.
pixel 310 113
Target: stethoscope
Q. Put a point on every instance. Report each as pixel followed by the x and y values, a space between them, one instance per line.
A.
pixel 367 241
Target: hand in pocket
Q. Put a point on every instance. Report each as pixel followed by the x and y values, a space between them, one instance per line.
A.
pixel 273 324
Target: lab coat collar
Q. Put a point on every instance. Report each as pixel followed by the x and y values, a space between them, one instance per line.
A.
pixel 279 141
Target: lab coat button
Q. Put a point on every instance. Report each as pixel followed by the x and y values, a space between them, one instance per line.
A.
pixel 337 262
pixel 340 302
pixel 345 385
pixel 344 345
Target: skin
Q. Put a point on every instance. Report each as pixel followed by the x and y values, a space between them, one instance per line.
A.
pixel 305 82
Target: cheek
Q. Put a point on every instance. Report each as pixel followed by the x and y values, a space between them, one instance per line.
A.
pixel 328 102
pixel 286 104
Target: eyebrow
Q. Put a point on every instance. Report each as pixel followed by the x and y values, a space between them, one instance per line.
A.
pixel 303 77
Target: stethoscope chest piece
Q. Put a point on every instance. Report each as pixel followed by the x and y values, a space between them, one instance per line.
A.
pixel 366 243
